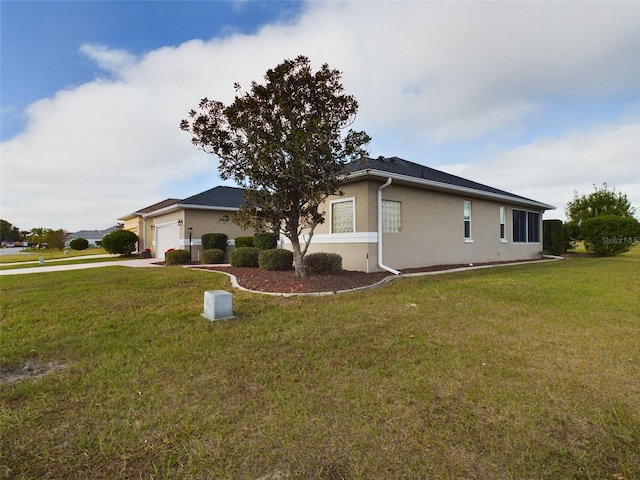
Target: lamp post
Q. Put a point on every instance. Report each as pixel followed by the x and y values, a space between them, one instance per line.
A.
pixel 190 230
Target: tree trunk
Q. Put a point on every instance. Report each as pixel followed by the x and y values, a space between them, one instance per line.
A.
pixel 297 257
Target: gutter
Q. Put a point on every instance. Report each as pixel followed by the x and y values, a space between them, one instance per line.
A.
pixel 380 264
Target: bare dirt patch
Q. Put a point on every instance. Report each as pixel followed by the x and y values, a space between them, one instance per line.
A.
pixel 30 370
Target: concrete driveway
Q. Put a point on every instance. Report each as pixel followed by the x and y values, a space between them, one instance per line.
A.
pixel 51 267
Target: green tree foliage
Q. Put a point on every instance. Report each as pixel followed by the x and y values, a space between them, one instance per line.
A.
pixel 36 236
pixel 610 234
pixel 283 142
pixel 79 244
pixel 600 202
pixel 9 233
pixel 56 238
pixel 120 242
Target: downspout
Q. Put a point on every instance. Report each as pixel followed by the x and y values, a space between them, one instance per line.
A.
pixel 380 264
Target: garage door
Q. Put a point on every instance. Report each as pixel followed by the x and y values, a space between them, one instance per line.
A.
pixel 167 236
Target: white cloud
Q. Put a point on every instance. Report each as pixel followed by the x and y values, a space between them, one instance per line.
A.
pixel 424 74
pixel 552 169
pixel 110 60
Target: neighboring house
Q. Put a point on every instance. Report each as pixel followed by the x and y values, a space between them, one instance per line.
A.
pixel 94 237
pixel 166 225
pixel 136 222
pixel 395 215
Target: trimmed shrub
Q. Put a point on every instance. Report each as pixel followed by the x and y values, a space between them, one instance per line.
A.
pixel 610 234
pixel 177 257
pixel 275 259
pixel 120 242
pixel 553 237
pixel 244 257
pixel 79 244
pixel 214 240
pixel 323 263
pixel 244 242
pixel 213 255
pixel 265 241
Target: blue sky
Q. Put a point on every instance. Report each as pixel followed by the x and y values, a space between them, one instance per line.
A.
pixel 538 98
pixel 40 39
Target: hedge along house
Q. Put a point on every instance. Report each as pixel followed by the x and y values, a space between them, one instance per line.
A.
pixel 395 215
pixel 181 224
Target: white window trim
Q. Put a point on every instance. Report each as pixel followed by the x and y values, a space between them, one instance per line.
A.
pixel 503 221
pixel 342 200
pixel 468 239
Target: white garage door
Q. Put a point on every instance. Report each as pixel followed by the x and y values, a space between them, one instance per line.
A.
pixel 167 236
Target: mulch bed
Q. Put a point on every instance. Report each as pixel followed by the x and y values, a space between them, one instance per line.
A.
pixel 286 282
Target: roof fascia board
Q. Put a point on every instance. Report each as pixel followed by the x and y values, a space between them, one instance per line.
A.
pixel 187 206
pixel 447 187
pixel 130 215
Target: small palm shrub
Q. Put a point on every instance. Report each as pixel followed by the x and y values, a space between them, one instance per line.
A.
pixel 244 257
pixel 244 242
pixel 275 259
pixel 265 241
pixel 214 240
pixel 213 255
pixel 79 244
pixel 177 257
pixel 323 263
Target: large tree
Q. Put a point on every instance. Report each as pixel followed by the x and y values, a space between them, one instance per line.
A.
pixel 599 202
pixel 284 141
pixel 604 220
pixel 9 232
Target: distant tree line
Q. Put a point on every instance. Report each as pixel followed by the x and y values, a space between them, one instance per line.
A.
pixel 37 237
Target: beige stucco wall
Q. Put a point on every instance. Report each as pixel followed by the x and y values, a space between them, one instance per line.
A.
pixel 202 221
pixel 208 221
pixel 432 231
pixel 135 224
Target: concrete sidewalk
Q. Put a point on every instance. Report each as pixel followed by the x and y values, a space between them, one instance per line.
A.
pixel 136 262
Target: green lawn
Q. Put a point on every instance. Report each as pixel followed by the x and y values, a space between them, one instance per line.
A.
pixel 33 255
pixel 522 372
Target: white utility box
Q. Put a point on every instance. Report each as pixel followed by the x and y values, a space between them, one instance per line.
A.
pixel 217 305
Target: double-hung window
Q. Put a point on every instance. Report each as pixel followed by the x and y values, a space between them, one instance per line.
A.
pixel 526 226
pixel 467 221
pixel 503 224
pixel 343 216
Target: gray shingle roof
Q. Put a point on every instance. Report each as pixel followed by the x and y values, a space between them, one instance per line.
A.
pixel 221 196
pixel 159 205
pixel 399 166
